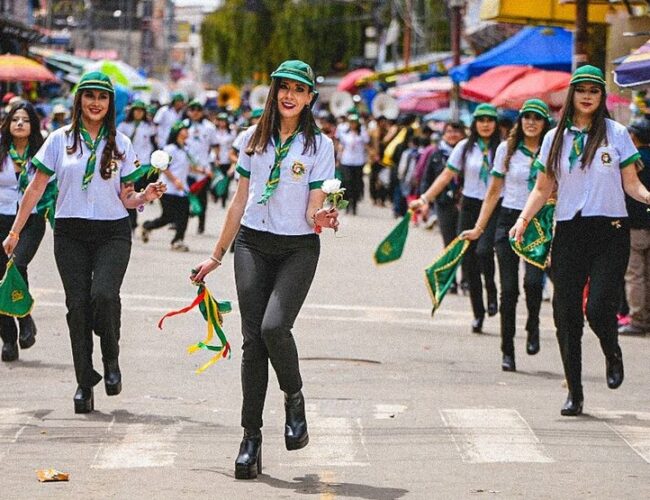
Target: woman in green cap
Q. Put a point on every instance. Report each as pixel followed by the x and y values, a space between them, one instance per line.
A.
pixel 592 160
pixel 513 175
pixel 277 207
pixel 473 157
pixel 95 166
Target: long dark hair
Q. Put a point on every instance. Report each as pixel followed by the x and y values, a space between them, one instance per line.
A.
pixel 129 116
pixel 493 141
pixel 517 135
pixel 597 132
pixel 35 139
pixel 110 152
pixel 269 124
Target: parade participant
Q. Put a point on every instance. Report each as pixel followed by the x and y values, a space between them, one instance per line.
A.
pixel 167 115
pixel 514 175
pixel 472 157
pixel 142 133
pixel 273 214
pixel 60 117
pixel 225 138
pixel 20 138
pixel 353 142
pixel 202 138
pixel 175 204
pixel 591 159
pixel 94 166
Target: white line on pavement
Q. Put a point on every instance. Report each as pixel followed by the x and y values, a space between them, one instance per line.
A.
pixel 493 435
pixel 636 437
pixel 388 411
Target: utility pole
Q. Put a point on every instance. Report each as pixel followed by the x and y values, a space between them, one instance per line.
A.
pixel 455 6
pixel 408 28
pixel 580 57
pixel 146 52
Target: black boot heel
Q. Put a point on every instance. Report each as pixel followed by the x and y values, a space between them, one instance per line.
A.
pixel 248 463
pixel 295 427
pixel 112 378
pixel 84 401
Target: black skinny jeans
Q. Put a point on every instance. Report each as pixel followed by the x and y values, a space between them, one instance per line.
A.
pixel 353 184
pixel 92 257
pixel 30 240
pixel 598 249
pixel 175 209
pixel 273 274
pixel 479 258
pixel 509 276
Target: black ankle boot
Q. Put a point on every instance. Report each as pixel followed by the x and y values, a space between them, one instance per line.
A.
pixel 477 325
pixel 10 351
pixel 572 406
pixel 248 463
pixel 112 378
pixel 295 427
pixel 508 363
pixel 27 332
pixel 84 401
pixel 614 369
pixel 532 341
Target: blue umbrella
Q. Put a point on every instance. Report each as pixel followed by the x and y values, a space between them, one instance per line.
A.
pixel 635 68
pixel 444 115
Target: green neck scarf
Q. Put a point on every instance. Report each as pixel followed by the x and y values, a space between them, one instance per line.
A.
pixel 21 163
pixel 92 159
pixel 533 171
pixel 281 151
pixel 484 174
pixel 578 145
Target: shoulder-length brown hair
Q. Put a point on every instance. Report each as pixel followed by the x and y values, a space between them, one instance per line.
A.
pixel 597 132
pixel 110 152
pixel 35 139
pixel 493 142
pixel 516 136
pixel 269 124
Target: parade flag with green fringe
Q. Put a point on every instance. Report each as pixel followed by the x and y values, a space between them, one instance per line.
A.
pixel 46 206
pixel 15 299
pixel 392 246
pixel 212 312
pixel 441 274
pixel 535 244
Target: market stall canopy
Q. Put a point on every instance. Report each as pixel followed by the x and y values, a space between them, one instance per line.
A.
pixel 541 47
pixel 486 87
pixel 549 86
pixel 634 69
pixel 436 84
pixel 120 72
pixel 423 103
pixel 349 82
pixel 22 69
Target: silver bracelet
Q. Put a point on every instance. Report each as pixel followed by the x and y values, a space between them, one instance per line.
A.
pixel 214 259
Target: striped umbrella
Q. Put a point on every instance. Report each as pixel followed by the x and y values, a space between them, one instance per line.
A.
pixel 15 68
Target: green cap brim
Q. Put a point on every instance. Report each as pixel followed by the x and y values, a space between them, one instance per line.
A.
pixel 489 114
pixel 534 108
pixel 587 79
pixel 96 85
pixel 292 76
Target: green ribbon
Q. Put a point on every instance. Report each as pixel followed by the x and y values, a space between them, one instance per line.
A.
pixel 578 145
pixel 47 204
pixel 92 159
pixel 281 151
pixel 532 177
pixel 484 174
pixel 21 162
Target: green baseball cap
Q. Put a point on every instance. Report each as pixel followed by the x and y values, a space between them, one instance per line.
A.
pixel 295 70
pixel 180 125
pixel 257 112
pixel 485 110
pixel 138 104
pixel 588 74
pixel 96 80
pixel 536 106
pixel 195 103
pixel 222 116
pixel 177 96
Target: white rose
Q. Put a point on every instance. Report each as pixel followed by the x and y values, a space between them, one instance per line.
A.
pixel 331 186
pixel 160 159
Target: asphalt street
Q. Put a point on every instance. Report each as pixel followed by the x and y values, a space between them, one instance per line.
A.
pixel 400 404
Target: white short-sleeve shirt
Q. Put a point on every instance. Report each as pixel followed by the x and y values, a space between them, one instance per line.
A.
pixel 201 139
pixel 140 138
pixel 10 195
pixel 225 139
pixel 596 190
pixel 165 118
pixel 285 212
pixel 353 147
pixel 518 180
pixel 101 199
pixel 179 166
pixel 473 185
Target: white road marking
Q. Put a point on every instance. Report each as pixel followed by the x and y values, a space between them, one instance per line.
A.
pixel 493 435
pixel 636 437
pixel 143 445
pixel 385 412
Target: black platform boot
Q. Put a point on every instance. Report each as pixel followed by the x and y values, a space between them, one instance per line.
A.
pixel 112 378
pixel 84 401
pixel 295 427
pixel 573 405
pixel 27 332
pixel 248 463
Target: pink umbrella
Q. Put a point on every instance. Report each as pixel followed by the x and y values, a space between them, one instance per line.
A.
pixel 22 69
pixel 348 82
pixel 490 84
pixel 549 86
pixel 423 103
pixel 435 84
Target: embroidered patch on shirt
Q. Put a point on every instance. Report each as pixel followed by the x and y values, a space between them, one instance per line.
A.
pixel 606 159
pixel 298 169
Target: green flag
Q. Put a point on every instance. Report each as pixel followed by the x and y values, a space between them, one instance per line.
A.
pixel 392 246
pixel 47 204
pixel 536 242
pixel 15 299
pixel 441 274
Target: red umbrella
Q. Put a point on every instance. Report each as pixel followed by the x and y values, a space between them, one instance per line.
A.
pixel 487 86
pixel 549 86
pixel 348 82
pixel 22 69
pixel 423 103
